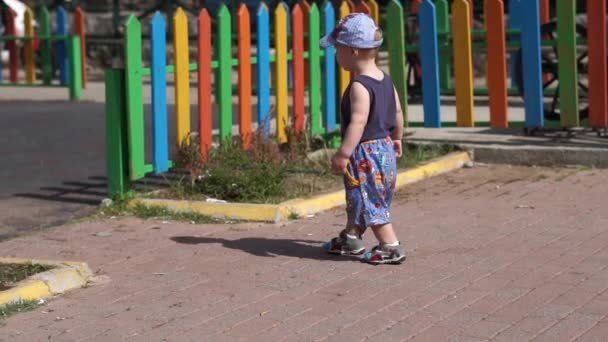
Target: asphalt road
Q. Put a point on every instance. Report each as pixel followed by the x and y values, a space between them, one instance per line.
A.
pixel 53 162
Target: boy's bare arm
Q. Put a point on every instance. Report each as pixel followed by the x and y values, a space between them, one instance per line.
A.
pixel 359 104
pixel 397 133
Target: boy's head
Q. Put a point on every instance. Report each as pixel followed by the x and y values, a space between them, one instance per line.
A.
pixel 356 38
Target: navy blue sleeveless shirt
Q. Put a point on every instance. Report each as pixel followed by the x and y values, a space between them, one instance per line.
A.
pixel 381 121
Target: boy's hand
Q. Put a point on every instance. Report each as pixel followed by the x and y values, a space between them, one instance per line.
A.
pixel 339 163
pixel 397 145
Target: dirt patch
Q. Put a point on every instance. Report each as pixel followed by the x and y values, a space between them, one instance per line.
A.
pixel 10 274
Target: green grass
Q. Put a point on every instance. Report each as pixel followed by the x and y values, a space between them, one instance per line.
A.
pixel 268 173
pixel 13 273
pixel 162 213
pixel 264 173
pixel 416 154
pixel 15 308
pixel 121 208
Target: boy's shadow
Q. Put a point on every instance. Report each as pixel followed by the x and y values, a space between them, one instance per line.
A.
pixel 307 249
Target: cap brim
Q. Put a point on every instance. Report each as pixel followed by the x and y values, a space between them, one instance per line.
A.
pixel 327 41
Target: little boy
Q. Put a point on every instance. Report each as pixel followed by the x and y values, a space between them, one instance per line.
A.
pixel 372 129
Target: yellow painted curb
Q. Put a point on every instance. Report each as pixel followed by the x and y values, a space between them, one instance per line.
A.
pixel 434 167
pixel 237 211
pixel 64 277
pixel 302 207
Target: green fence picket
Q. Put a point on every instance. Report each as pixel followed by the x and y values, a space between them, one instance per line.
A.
pixel 135 107
pixel 396 49
pixel 568 66
pixel 443 25
pixel 46 47
pixel 225 72
pixel 75 60
pixel 117 153
pixel 314 21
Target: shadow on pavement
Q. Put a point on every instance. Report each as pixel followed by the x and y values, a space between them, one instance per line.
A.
pixel 78 192
pixel 307 249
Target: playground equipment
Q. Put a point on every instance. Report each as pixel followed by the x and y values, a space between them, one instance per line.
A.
pixel 445 45
pixel 57 58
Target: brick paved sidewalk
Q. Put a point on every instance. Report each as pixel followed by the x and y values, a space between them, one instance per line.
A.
pixel 496 253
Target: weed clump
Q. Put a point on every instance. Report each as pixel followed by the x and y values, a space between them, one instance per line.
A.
pixel 259 173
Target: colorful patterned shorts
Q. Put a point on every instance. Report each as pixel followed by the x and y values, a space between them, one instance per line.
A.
pixel 370 183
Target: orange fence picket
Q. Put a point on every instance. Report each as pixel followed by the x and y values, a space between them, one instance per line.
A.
pixel 362 7
pixel 598 68
pixel 352 8
pixel 415 6
pixel 244 75
pixel 13 48
pixel 497 74
pixel 298 68
pixel 205 108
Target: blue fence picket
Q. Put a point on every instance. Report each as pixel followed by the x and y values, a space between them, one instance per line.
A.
pixel 533 82
pixel 330 71
pixel 159 94
pixel 62 47
pixel 263 23
pixel 430 65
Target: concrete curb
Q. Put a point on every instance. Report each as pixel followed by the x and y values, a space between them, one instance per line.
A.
pixel 541 156
pixel 301 207
pixel 510 146
pixel 64 277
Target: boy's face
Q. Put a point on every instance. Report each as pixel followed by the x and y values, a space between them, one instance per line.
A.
pixel 345 56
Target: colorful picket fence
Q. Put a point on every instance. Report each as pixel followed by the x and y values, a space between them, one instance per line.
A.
pixel 59 50
pixel 314 72
pixel 439 41
pixel 444 40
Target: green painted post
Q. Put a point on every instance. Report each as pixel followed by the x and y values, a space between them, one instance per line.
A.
pixel 443 26
pixel 135 95
pixel 117 152
pixel 75 60
pixel 225 70
pixel 396 51
pixel 314 59
pixel 46 47
pixel 568 66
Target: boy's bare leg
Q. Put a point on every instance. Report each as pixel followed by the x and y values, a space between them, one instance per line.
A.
pixel 354 230
pixel 348 242
pixel 389 251
pixel 385 234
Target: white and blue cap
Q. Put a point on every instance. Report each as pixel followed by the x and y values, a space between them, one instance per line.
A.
pixel 356 30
